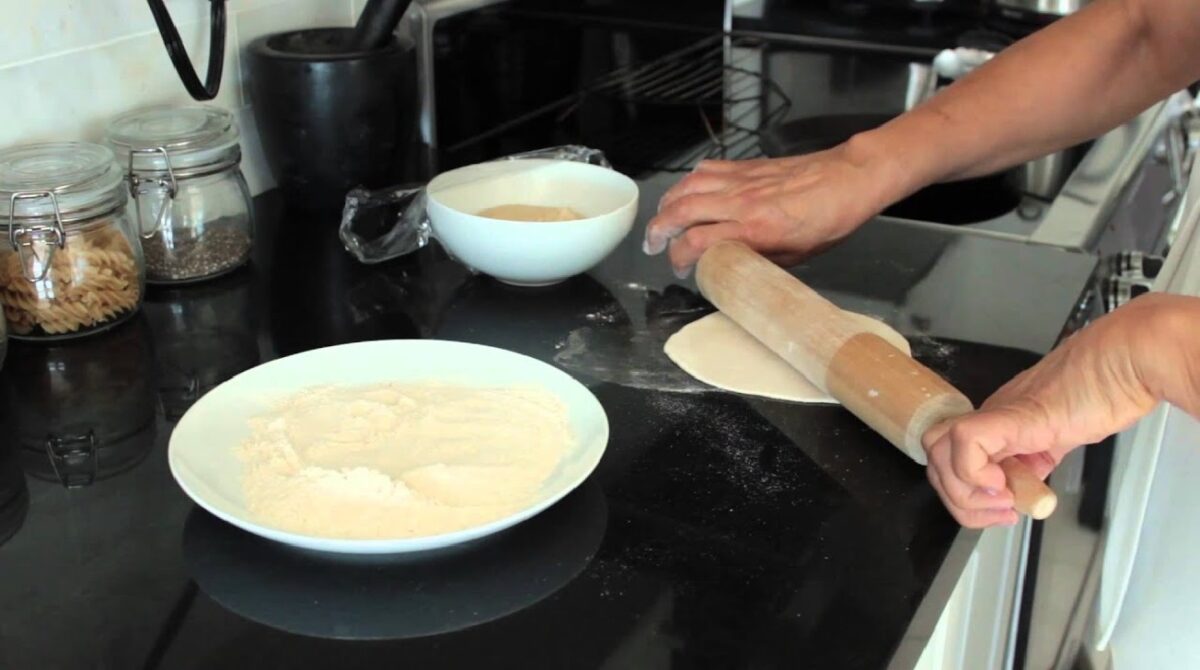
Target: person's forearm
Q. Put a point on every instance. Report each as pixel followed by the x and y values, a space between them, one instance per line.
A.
pixel 1072 81
pixel 1168 350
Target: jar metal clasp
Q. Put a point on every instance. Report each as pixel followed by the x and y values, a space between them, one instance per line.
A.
pixel 74 458
pixel 23 238
pixel 169 186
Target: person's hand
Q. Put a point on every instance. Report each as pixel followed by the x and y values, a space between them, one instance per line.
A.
pixel 784 208
pixel 1098 382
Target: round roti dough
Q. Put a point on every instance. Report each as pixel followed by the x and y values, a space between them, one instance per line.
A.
pixel 719 352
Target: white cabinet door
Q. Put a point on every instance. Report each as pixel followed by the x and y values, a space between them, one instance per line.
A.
pixel 976 627
pixel 1150 585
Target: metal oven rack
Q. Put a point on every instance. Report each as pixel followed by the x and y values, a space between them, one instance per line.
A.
pixel 711 84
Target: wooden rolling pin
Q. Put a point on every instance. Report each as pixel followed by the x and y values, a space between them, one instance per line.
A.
pixel 878 383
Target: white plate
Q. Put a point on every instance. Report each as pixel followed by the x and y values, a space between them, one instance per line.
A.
pixel 202 448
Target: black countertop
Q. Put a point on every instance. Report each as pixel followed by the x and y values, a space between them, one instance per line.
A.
pixel 718 531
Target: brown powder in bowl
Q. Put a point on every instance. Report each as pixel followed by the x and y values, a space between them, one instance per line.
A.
pixel 535 213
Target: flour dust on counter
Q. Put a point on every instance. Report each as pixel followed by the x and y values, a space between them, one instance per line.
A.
pixel 623 356
pixel 613 349
pixel 738 457
pixel 401 460
pixel 716 350
pixel 937 354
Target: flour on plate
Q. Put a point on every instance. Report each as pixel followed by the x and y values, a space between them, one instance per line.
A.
pixel 401 460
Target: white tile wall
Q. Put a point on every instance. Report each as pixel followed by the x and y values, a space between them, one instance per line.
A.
pixel 255 23
pixel 68 66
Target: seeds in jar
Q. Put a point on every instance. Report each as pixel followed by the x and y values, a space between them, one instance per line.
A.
pixel 93 280
pixel 217 249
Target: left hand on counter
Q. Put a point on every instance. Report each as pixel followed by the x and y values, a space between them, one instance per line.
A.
pixel 1098 382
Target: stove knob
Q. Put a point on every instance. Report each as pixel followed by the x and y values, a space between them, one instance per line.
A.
pixel 1116 291
pixel 1135 265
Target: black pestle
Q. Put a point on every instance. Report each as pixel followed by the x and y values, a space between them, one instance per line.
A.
pixel 377 23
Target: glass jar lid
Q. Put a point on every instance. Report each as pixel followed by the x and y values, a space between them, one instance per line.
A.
pixel 180 139
pixel 79 179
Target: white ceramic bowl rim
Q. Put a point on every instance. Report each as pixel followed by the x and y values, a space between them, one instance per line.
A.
pixel 623 189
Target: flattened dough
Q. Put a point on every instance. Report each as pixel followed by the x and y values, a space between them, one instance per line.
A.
pixel 719 352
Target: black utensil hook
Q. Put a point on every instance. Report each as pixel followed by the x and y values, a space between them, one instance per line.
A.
pixel 179 56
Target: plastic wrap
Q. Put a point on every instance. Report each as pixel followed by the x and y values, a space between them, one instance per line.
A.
pixel 391 222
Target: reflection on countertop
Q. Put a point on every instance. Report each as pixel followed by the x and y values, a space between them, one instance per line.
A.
pixel 203 335
pixel 14 494
pixel 395 597
pixel 82 410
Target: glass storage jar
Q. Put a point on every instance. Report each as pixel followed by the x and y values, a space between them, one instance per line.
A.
pixel 69 262
pixel 191 205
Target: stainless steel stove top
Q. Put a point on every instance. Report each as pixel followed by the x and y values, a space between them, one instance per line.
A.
pixel 659 101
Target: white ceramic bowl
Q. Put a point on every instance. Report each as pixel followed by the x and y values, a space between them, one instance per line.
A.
pixel 202 450
pixel 529 253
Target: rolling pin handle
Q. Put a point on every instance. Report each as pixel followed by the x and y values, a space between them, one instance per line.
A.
pixel 893 394
pixel 1031 496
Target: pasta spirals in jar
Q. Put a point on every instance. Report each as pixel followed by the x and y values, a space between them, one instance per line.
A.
pixel 69 263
